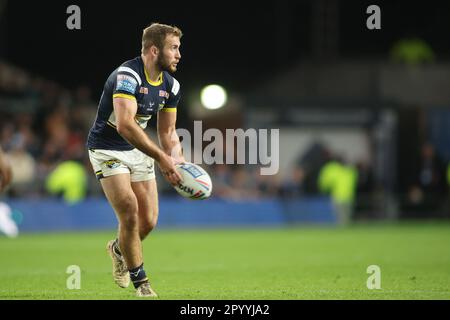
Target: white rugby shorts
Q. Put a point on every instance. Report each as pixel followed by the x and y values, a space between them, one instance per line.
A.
pixel 111 162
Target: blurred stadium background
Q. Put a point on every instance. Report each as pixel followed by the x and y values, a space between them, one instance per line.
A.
pixel 363 114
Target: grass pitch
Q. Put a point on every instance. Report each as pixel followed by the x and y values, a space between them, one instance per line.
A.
pixel 288 263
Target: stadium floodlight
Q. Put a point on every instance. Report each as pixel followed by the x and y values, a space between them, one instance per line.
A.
pixel 213 96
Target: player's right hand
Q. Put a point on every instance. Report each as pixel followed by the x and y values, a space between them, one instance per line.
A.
pixel 168 169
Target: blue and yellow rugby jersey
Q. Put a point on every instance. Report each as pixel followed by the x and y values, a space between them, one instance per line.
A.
pixel 130 81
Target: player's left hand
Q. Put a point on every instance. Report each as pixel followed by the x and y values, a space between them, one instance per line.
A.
pixel 168 169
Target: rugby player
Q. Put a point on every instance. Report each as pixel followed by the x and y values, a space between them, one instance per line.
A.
pixel 122 154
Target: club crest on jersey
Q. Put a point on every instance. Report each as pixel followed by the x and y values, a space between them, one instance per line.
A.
pixel 143 90
pixel 164 94
pixel 150 106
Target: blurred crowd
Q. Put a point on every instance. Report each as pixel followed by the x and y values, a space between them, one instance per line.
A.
pixel 43 129
pixel 427 188
pixel 53 130
pixel 42 124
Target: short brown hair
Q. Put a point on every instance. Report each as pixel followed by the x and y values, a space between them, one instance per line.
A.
pixel 156 34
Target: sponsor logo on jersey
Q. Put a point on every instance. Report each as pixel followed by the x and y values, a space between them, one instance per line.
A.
pixel 164 94
pixel 143 90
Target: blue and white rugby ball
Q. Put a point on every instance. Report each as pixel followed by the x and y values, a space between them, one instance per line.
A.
pixel 196 183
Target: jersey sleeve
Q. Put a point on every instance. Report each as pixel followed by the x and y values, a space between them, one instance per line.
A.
pixel 174 98
pixel 126 83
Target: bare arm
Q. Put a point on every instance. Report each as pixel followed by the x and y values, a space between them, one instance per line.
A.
pixel 167 135
pixel 125 111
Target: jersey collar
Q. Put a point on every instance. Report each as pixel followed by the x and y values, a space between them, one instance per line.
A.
pixel 154 83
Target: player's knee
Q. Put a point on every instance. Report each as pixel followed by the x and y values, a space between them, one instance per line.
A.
pixel 128 213
pixel 128 205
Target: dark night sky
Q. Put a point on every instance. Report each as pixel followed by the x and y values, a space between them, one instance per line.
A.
pixel 236 43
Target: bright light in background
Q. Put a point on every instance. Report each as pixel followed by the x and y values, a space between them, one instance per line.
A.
pixel 213 96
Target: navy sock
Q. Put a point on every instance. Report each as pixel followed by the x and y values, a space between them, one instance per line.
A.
pixel 138 275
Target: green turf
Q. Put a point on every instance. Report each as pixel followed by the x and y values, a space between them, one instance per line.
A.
pixel 288 263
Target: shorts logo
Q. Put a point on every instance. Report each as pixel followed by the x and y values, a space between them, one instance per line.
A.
pixel 143 90
pixel 112 164
pixel 126 83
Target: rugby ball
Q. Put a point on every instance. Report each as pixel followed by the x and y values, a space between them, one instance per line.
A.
pixel 196 183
